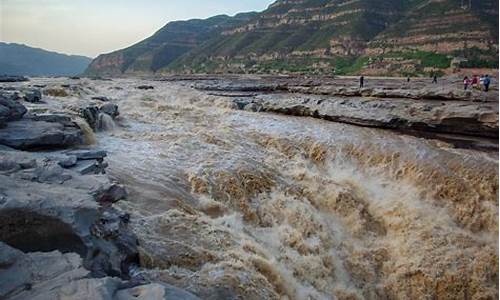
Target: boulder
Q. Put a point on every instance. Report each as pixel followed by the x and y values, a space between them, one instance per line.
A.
pixel 66 161
pixel 110 194
pixel 30 134
pixel 145 87
pixel 110 109
pixel 90 167
pixel 85 154
pixel 10 110
pixel 94 115
pixel 33 95
pixel 91 115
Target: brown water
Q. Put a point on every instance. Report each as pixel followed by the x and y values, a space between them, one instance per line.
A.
pixel 230 203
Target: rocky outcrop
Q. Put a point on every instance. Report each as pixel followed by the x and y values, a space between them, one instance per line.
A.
pixel 110 109
pixel 8 78
pixel 400 114
pixel 32 95
pixel 55 275
pixel 99 117
pixel 10 110
pixel 31 134
pixel 60 235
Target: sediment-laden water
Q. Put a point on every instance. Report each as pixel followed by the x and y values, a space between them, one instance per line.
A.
pixel 232 204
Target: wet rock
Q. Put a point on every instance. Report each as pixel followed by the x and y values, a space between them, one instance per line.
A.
pixel 29 134
pixel 65 217
pixel 401 114
pixel 8 78
pixel 119 253
pixel 33 96
pixel 86 154
pixel 20 271
pixel 111 194
pixel 47 173
pixel 10 110
pixel 94 115
pixel 101 98
pixel 7 165
pixel 66 161
pixel 56 275
pixel 145 87
pixel 91 115
pixel 110 109
pixel 53 118
pixel 90 167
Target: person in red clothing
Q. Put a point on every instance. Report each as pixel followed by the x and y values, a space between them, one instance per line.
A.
pixel 475 81
pixel 466 82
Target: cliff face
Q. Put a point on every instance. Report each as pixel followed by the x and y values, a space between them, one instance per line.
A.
pixel 319 36
pixel 165 46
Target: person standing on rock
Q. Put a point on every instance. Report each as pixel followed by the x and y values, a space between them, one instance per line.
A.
pixel 466 83
pixel 434 79
pixel 475 81
pixel 361 81
pixel 486 83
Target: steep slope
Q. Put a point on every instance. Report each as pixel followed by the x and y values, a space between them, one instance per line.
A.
pixel 356 36
pixel 16 59
pixel 389 37
pixel 166 45
pixel 434 32
pixel 300 35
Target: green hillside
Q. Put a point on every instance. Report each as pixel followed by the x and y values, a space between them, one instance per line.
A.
pixel 406 37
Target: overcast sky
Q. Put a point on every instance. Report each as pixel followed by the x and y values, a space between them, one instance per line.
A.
pixel 92 27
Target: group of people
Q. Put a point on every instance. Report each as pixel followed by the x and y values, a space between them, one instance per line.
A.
pixel 477 82
pixel 482 82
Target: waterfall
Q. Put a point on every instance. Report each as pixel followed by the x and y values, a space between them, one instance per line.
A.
pixel 105 122
pixel 88 133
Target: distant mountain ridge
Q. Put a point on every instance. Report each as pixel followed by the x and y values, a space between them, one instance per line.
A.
pixel 165 46
pixel 383 37
pixel 17 59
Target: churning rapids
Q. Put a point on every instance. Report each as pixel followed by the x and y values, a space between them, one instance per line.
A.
pixel 233 204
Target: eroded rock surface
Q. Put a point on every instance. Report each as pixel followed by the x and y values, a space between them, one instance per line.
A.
pixel 60 235
pixel 424 115
pixel 227 203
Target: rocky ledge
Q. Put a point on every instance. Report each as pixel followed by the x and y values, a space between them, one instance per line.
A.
pixel 60 234
pixel 443 111
pixel 434 116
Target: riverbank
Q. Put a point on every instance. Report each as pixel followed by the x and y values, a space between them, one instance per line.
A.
pixel 226 200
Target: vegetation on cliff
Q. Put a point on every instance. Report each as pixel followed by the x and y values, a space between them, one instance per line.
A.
pixel 412 37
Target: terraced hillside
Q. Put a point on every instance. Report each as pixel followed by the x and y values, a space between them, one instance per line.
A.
pixel 390 37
